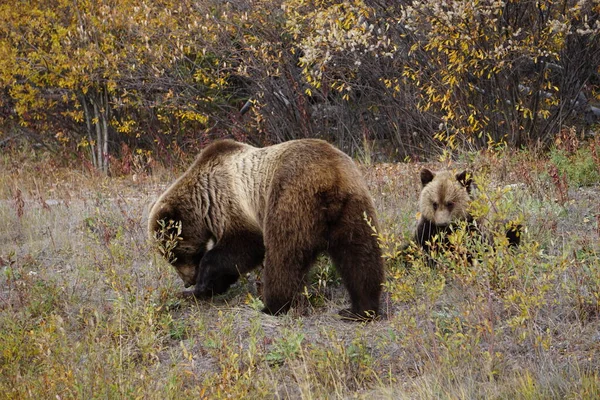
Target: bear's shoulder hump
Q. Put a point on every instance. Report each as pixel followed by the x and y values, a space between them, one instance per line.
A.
pixel 219 149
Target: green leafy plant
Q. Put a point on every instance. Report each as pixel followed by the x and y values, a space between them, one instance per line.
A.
pixel 285 348
pixel 579 167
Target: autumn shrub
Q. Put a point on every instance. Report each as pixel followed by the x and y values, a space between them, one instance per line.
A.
pixel 390 79
pixel 97 75
pixel 478 72
pixel 467 65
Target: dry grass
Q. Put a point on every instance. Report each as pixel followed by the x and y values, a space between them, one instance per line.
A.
pixel 88 311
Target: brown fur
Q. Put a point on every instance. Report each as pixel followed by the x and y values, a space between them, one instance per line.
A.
pixel 444 198
pixel 284 205
pixel 444 201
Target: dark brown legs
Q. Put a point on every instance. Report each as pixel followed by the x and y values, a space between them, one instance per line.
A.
pixel 222 265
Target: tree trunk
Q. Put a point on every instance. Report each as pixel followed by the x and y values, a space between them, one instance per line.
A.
pixel 97 122
pixel 105 120
pixel 88 124
pixel 96 110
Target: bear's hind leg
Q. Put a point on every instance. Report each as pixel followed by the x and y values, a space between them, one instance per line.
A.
pixel 356 255
pixel 294 237
pixel 362 274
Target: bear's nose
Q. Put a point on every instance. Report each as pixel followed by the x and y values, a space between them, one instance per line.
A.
pixel 187 285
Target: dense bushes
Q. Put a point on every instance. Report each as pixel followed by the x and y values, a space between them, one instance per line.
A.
pixel 402 77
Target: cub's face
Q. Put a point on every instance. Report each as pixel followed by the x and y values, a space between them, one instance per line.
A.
pixel 444 196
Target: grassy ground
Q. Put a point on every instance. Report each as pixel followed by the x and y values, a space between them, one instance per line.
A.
pixel 87 310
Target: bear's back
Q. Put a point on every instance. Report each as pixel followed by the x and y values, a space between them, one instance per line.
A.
pixel 246 177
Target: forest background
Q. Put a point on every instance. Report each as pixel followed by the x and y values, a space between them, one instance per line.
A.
pixel 139 81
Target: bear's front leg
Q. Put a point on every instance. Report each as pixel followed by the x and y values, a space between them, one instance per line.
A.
pixel 231 257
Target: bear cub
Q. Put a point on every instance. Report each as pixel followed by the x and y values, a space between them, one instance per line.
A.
pixel 443 203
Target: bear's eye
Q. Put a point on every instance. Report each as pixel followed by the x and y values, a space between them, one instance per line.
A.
pixel 435 205
pixel 449 205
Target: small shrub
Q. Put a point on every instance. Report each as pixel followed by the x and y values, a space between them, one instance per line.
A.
pixel 579 166
pixel 288 346
pixel 167 238
pixel 323 277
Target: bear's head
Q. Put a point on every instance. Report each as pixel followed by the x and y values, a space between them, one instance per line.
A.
pixel 180 241
pixel 444 196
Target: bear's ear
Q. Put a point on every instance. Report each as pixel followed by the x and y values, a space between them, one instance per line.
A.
pixel 465 179
pixel 426 176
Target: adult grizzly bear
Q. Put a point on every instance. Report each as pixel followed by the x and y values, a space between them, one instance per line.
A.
pixel 284 205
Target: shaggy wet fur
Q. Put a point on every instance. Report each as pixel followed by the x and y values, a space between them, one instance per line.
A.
pixel 282 205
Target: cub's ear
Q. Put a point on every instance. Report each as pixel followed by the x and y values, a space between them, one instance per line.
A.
pixel 465 179
pixel 426 176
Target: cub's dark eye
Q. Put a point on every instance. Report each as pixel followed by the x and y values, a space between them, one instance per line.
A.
pixel 435 205
pixel 449 205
